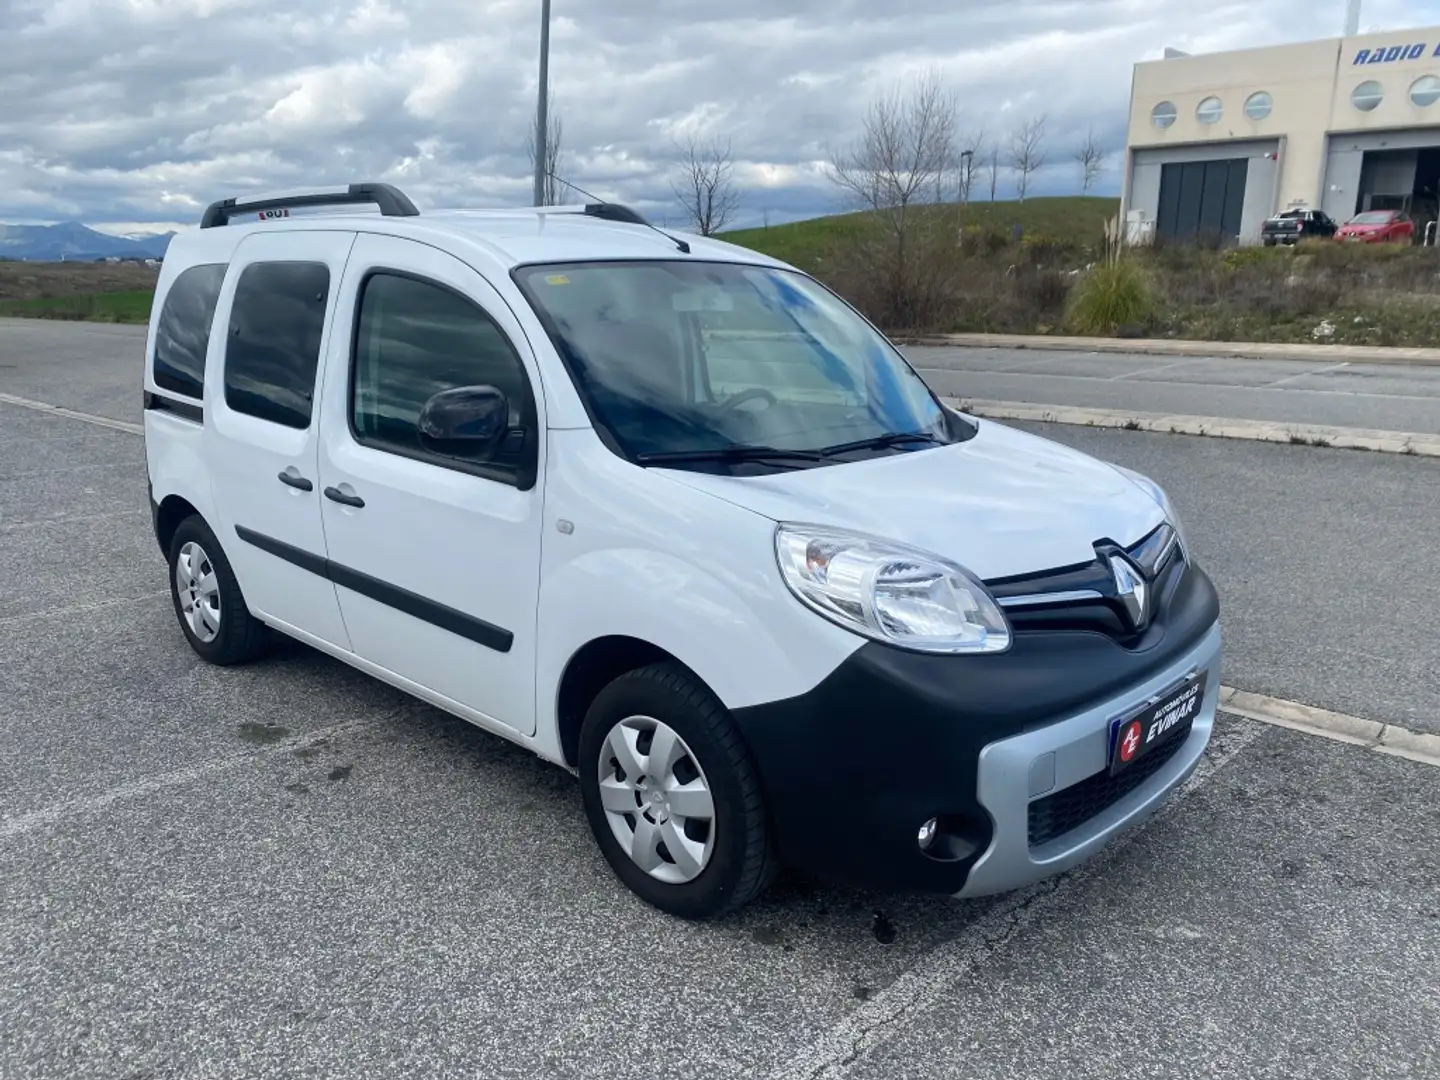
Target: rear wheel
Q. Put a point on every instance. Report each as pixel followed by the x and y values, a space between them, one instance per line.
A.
pixel 207 598
pixel 672 796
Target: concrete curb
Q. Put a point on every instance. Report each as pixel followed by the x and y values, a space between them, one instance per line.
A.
pixel 1239 350
pixel 1389 739
pixel 1390 442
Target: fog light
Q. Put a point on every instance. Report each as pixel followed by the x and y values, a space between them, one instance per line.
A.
pixel 927 833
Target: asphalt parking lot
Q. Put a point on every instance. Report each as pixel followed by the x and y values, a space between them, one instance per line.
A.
pixel 290 870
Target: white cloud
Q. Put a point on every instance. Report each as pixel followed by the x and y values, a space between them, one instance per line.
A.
pixel 141 110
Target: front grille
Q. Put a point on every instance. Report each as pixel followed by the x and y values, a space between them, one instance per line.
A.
pixel 1083 596
pixel 1055 815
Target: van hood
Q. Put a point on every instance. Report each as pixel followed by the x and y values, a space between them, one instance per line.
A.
pixel 1003 503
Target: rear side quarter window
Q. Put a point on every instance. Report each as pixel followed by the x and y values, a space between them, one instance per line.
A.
pixel 182 334
pixel 272 349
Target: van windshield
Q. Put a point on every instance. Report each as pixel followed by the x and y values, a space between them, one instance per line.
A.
pixel 730 367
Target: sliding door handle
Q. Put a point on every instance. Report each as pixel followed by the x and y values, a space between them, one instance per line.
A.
pixel 295 480
pixel 336 495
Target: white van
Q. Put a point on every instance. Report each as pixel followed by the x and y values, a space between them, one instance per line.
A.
pixel 675 517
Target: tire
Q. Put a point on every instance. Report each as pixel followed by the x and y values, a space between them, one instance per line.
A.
pixel 1269 243
pixel 735 859
pixel 237 635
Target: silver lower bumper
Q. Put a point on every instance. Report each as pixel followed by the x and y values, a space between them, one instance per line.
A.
pixel 1014 772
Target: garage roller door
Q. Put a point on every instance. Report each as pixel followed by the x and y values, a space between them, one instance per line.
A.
pixel 1202 198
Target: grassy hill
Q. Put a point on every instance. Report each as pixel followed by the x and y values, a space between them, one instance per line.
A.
pixel 1073 219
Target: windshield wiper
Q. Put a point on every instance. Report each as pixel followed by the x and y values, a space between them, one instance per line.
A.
pixel 881 442
pixel 737 452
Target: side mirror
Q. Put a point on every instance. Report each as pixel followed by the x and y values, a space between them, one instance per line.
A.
pixel 468 421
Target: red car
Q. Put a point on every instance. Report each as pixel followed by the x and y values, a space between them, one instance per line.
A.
pixel 1378 227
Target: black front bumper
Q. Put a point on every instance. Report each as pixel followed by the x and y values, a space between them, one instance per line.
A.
pixel 892 738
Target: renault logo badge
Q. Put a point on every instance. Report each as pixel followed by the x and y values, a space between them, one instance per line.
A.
pixel 1132 590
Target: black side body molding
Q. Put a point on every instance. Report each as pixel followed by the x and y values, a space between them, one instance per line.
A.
pixel 316 564
pixel 184 409
pixel 412 604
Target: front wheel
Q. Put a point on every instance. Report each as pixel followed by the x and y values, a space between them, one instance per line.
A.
pixel 672 796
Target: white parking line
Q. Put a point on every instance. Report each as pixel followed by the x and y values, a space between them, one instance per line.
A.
pixel 1154 370
pixel 37 523
pixel 927 984
pixel 70 610
pixel 1305 374
pixel 57 410
pixel 52 815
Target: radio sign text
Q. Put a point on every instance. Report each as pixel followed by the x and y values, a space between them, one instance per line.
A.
pixel 1390 55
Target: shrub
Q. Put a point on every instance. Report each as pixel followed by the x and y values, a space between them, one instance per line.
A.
pixel 1042 249
pixel 1111 296
pixel 1041 293
pixel 1241 257
pixel 983 240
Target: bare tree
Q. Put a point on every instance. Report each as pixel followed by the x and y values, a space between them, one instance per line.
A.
pixel 706 188
pixel 903 159
pixel 906 149
pixel 992 166
pixel 972 152
pixel 1092 161
pixel 1027 152
pixel 553 130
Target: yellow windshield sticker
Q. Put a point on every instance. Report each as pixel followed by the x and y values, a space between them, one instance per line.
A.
pixel 556 279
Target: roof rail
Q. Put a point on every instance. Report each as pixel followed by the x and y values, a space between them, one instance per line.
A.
pixel 614 212
pixel 391 201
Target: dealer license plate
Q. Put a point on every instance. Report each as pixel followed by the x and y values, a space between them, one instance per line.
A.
pixel 1131 739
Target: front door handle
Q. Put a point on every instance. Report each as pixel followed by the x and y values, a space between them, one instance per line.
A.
pixel 295 480
pixel 336 495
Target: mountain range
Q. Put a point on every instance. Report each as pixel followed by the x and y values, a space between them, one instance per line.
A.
pixel 72 242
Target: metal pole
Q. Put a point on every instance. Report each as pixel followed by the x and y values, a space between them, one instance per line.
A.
pixel 1352 18
pixel 542 120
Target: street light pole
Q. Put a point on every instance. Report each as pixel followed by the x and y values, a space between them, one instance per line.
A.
pixel 542 120
pixel 1352 18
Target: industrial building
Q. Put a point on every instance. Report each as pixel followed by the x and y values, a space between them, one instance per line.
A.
pixel 1219 142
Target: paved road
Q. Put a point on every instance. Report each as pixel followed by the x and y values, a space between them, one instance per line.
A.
pixel 1391 397
pixel 290 870
pixel 96 368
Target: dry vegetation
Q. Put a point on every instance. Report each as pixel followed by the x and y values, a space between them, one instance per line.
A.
pixel 958 278
pixel 90 292
pixel 43 281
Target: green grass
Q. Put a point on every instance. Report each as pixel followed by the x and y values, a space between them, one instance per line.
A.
pixel 115 307
pixel 1074 219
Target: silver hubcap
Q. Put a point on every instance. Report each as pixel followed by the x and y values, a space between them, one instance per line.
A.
pixel 199 592
pixel 657 800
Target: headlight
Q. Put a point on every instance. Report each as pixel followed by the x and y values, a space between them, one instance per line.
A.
pixel 890 592
pixel 1156 492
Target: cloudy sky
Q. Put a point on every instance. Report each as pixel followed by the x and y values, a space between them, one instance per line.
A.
pixel 134 113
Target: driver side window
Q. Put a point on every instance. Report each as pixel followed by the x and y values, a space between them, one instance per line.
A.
pixel 416 338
